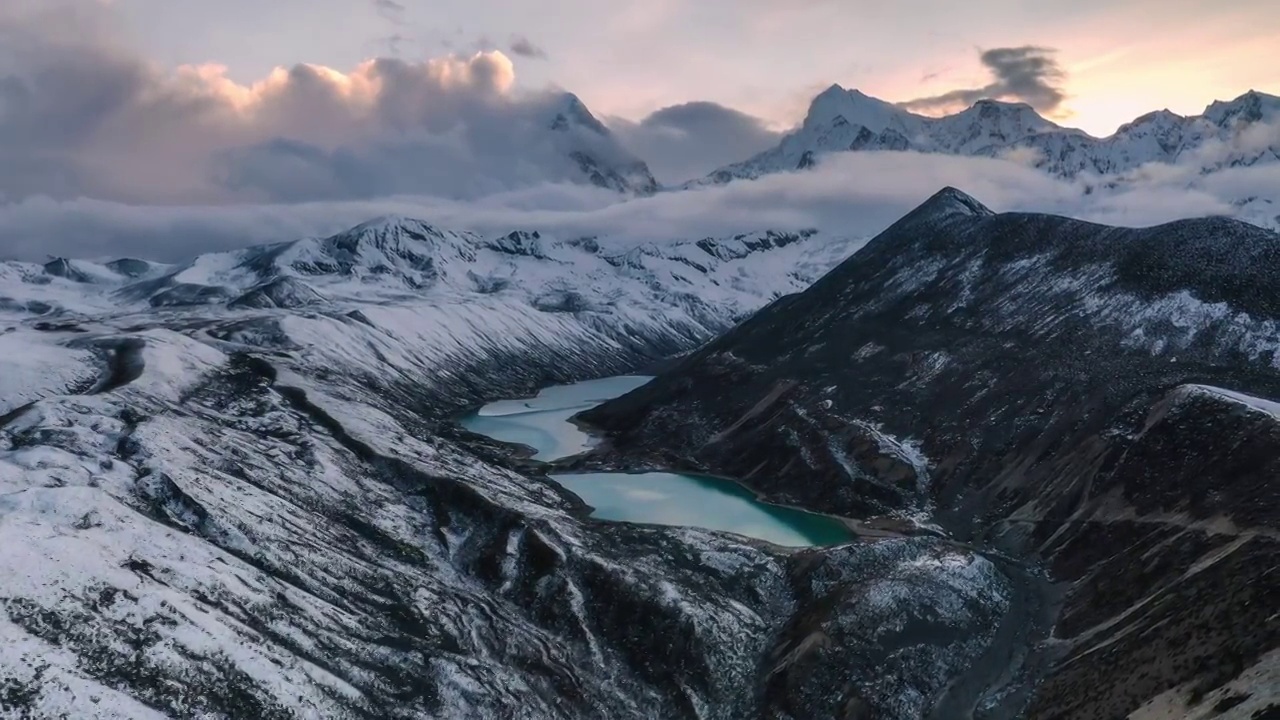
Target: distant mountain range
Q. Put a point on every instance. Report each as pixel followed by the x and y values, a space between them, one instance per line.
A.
pixel 1241 132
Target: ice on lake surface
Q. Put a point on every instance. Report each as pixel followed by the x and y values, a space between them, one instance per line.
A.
pixel 660 498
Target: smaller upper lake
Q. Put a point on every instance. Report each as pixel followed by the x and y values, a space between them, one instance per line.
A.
pixel 542 423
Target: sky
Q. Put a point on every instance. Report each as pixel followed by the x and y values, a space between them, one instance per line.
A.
pixel 161 128
pixel 629 58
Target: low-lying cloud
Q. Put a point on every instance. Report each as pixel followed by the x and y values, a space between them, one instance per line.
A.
pixel 687 141
pixel 850 194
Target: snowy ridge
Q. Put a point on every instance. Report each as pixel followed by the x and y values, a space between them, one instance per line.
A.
pixel 1252 403
pixel 1242 132
pixel 413 291
pixel 597 292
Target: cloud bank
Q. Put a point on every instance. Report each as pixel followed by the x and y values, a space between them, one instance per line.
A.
pixel 1027 73
pixel 850 194
pixel 102 154
pixel 82 115
pixel 690 140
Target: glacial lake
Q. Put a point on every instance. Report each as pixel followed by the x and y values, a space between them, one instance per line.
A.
pixel 542 423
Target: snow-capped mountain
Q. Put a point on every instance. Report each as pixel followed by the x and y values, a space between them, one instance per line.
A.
pixel 232 487
pixel 1242 132
pixel 694 287
pixel 593 150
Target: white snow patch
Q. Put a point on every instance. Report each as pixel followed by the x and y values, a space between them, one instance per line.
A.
pixel 1256 404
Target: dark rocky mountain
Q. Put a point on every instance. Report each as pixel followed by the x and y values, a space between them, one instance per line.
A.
pixel 1088 400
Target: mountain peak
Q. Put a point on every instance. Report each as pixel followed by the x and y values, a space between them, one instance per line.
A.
pixel 835 90
pixel 1158 119
pixel 1157 115
pixel 1250 107
pixel 1257 96
pixel 387 222
pixel 593 151
pixel 1018 116
pixel 1001 104
pixel 947 202
pixel 955 199
pixel 856 107
pixel 569 111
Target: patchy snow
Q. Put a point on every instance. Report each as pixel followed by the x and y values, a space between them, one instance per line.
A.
pixel 1041 298
pixel 907 450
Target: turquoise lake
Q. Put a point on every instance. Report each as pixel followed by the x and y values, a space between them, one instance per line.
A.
pixel 542 423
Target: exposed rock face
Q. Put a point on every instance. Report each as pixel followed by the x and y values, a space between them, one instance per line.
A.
pixel 1039 386
pixel 183 294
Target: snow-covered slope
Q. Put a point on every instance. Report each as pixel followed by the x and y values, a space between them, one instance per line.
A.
pixel 230 488
pixel 1241 132
pixel 653 296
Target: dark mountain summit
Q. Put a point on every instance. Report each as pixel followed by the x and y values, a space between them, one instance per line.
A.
pixel 1088 398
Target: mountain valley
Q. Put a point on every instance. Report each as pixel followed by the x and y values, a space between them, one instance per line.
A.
pixel 235 486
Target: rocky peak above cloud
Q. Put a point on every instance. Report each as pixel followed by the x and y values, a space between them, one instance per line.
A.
pixel 1240 132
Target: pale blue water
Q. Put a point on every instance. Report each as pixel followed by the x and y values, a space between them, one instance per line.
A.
pixel 542 422
pixel 661 498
